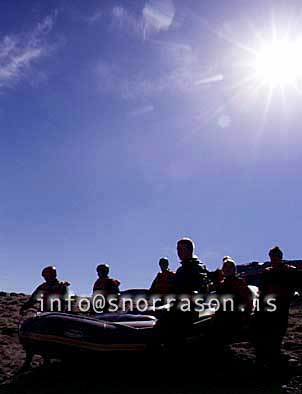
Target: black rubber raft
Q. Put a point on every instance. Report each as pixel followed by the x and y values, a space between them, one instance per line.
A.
pixel 57 334
pixel 61 333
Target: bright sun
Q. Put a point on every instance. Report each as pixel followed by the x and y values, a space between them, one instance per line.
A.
pixel 278 63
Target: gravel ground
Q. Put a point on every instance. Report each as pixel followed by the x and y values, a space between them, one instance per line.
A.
pixel 235 374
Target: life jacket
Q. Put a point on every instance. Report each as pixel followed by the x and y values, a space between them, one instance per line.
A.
pixel 163 283
pixel 51 290
pixel 237 288
pixel 279 282
pixel 106 285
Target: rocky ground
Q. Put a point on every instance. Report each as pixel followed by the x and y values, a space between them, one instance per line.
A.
pixel 234 374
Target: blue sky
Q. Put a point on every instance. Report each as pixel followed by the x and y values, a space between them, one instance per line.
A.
pixel 127 125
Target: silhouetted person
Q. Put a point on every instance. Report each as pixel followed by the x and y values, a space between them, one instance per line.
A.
pixel 52 295
pixel 235 286
pixel 105 285
pixel 164 280
pixel 190 279
pixel 52 288
pixel 278 282
pixel 230 317
pixel 192 276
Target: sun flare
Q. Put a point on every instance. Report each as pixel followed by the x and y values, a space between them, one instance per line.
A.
pixel 278 63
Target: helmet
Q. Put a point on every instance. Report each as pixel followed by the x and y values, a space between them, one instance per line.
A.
pixel 103 268
pixel 49 271
pixel 226 258
pixel 164 260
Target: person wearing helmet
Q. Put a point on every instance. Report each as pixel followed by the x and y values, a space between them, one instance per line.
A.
pixel 232 284
pixel 104 283
pixel 52 288
pixel 233 315
pixel 164 280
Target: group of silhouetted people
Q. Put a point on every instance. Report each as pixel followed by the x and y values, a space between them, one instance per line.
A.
pixel 279 280
pixel 53 288
pixel 267 326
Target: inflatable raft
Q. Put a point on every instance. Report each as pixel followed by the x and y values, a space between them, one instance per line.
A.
pixel 56 333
